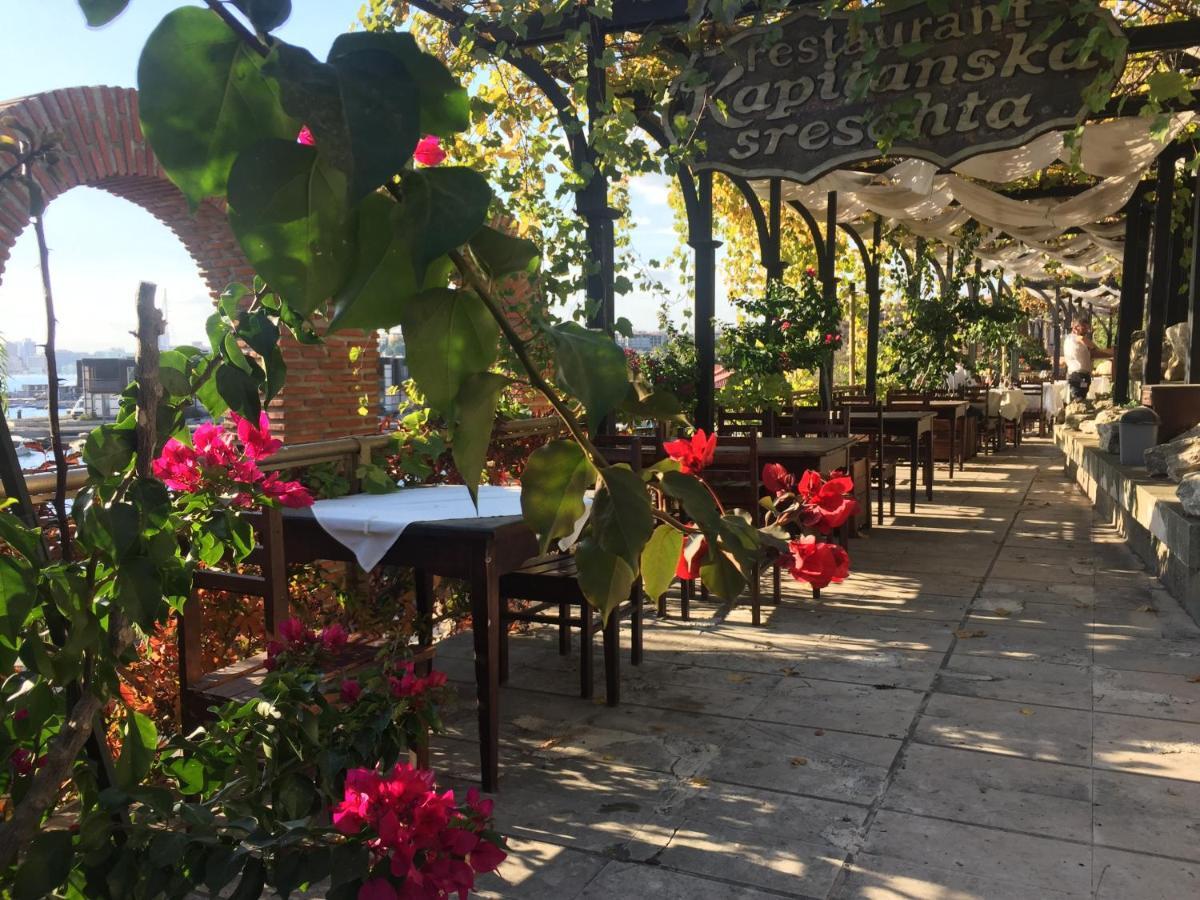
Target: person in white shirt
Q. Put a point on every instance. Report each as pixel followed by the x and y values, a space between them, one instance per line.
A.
pixel 1078 351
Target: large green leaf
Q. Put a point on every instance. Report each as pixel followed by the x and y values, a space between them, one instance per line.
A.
pixel 604 577
pixel 239 391
pixel 502 254
pixel 448 335
pixel 476 405
pixel 591 367
pixel 287 208
pixel 203 99
pixel 109 450
pixel 660 559
pixel 101 12
pixel 444 207
pixel 444 104
pixel 139 742
pixel 361 107
pixel 697 501
pixel 552 488
pixel 721 576
pixel 621 517
pixel 45 866
pixel 384 274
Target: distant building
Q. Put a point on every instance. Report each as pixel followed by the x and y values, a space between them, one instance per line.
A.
pixel 101 381
pixel 642 341
pixel 393 372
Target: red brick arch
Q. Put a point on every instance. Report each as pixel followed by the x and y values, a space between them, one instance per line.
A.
pixel 103 147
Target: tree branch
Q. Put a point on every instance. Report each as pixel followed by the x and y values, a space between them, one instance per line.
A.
pixel 60 457
pixel 235 24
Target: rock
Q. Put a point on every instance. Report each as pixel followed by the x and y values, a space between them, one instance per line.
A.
pixel 1088 426
pixel 1158 458
pixel 1109 434
pixel 1188 493
pixel 1079 407
pixel 1075 420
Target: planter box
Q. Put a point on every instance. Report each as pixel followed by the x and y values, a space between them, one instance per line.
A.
pixel 1177 405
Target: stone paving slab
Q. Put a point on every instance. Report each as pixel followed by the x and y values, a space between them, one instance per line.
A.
pixel 999 703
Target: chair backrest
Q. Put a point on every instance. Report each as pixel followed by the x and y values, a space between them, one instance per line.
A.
pixel 812 421
pixel 621 448
pixel 735 474
pixel 909 397
pixel 741 423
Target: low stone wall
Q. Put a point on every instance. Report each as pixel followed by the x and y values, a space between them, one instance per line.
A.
pixel 1145 511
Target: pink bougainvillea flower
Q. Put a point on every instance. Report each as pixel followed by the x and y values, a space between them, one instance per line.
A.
pixel 378 889
pixel 178 467
pixel 817 562
pixel 777 479
pixel 784 326
pixel 429 151
pixel 693 454
pixel 21 761
pixel 486 857
pixel 333 638
pixel 256 440
pixel 288 493
pixel 305 137
pixel 350 691
pixel 295 634
pixel 212 444
pixel 21 714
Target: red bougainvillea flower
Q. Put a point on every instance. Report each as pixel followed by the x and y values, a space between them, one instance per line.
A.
pixel 257 442
pixel 21 714
pixel 21 761
pixel 828 503
pixel 693 454
pixel 350 691
pixel 288 493
pixel 178 467
pixel 817 562
pixel 429 151
pixel 777 479
pixel 691 557
pixel 784 326
pixel 305 137
pixel 810 272
pixel 377 889
pixel 333 638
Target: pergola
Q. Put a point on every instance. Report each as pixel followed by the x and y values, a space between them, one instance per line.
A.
pixel 1088 229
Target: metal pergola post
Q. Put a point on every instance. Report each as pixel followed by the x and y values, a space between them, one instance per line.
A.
pixel 829 291
pixel 1160 283
pixel 1133 294
pixel 705 249
pixel 1193 301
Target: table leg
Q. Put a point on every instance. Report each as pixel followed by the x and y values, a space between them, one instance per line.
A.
pixel 953 442
pixel 929 465
pixel 485 627
pixel 914 456
pixel 423 591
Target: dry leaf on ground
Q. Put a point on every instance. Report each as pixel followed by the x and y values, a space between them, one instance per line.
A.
pixel 965 633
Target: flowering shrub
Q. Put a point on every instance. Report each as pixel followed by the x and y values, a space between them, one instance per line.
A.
pixel 789 328
pixel 810 503
pixel 422 843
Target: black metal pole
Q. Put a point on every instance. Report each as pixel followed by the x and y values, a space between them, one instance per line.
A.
pixel 1133 293
pixel 1178 309
pixel 829 285
pixel 1056 313
pixel 874 300
pixel 774 227
pixel 1164 190
pixel 705 248
pixel 1193 359
pixel 593 202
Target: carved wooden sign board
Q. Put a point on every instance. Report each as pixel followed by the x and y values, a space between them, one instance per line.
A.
pixel 808 94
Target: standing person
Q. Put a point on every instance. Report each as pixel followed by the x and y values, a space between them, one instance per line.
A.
pixel 1079 350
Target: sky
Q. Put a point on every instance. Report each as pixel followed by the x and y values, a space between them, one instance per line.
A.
pixel 102 246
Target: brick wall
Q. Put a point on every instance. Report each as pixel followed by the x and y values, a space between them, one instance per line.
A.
pixel 104 148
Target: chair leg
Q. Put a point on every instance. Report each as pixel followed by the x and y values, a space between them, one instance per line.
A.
pixel 777 584
pixel 635 625
pixel 503 641
pixel 755 598
pixel 564 629
pixel 587 630
pixel 612 658
pixel 662 606
pixel 685 600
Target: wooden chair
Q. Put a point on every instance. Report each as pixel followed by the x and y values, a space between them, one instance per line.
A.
pixel 741 423
pixel 987 433
pixel 883 457
pixel 813 421
pixel 1033 412
pixel 551 584
pixel 200 690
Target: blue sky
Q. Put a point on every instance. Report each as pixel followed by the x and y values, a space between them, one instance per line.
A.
pixel 103 246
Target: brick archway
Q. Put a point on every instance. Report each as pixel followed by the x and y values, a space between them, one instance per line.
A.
pixel 103 147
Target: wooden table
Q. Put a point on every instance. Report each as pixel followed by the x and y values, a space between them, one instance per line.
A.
pixel 797 454
pixel 952 411
pixel 477 550
pixel 914 426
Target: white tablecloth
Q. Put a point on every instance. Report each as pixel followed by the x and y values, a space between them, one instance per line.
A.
pixel 368 524
pixel 1055 395
pixel 1008 403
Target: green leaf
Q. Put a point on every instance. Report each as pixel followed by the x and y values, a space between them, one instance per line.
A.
pixel 697 502
pixel 210 396
pixel 287 208
pixel 361 107
pixel 444 103
pixel 660 559
pixel 101 12
pixel 444 208
pixel 267 15
pixel 254 878
pixel 259 332
pixel 109 450
pixel 239 391
pixel 26 541
pixel 591 367
pixel 188 773
pixel 140 591
pixel 472 434
pixel 604 577
pixel 449 336
pixel 203 99
pixel 621 518
pixel 45 866
pixel 384 274
pixel 139 743
pixel 721 576
pixel 552 488
pixel 500 254
pixel 18 594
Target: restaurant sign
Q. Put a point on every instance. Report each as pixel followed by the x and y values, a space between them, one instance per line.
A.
pixel 805 95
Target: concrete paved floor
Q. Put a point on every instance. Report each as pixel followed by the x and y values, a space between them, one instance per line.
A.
pixel 999 703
